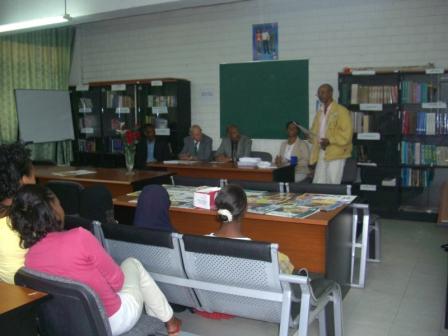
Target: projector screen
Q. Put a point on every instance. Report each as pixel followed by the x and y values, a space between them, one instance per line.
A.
pixel 44 115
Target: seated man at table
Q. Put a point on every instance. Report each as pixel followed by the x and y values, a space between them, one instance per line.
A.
pixel 197 146
pixel 150 148
pixel 234 146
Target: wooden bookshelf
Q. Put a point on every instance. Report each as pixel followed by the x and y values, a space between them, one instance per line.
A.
pixel 99 108
pixel 401 125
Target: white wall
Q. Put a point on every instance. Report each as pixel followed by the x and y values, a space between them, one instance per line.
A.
pixel 192 43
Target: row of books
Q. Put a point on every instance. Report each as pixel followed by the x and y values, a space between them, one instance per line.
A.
pixel 416 153
pixel 85 103
pixel 362 122
pixel 416 177
pixel 413 92
pixel 426 123
pixel 158 101
pixel 368 94
pixel 87 146
pixel 114 100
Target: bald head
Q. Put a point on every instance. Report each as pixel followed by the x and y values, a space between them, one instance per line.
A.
pixel 196 132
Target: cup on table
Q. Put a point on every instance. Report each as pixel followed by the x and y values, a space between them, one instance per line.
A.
pixel 293 160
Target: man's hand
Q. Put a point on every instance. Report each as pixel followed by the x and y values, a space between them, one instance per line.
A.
pixel 324 142
pixel 278 160
pixel 223 158
pixel 185 157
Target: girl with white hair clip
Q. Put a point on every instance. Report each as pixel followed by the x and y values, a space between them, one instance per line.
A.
pixel 231 204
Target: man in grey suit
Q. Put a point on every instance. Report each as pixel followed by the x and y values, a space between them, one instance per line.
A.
pixel 234 146
pixel 197 146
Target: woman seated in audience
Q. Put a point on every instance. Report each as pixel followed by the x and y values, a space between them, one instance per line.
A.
pixel 231 203
pixel 76 254
pixel 96 204
pixel 153 209
pixel 294 147
pixel 16 169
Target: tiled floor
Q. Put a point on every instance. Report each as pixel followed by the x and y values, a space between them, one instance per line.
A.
pixel 404 294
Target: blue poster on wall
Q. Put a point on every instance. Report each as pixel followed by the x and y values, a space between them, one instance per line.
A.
pixel 265 41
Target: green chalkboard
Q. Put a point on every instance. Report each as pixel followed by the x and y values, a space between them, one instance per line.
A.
pixel 261 97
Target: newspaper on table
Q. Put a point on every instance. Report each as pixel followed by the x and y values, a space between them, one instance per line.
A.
pixel 292 211
pixel 324 202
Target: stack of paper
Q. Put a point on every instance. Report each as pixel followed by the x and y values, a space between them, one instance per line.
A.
pixel 248 162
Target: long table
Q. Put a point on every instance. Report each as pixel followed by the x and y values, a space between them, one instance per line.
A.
pixel 17 310
pixel 321 242
pixel 229 171
pixel 117 180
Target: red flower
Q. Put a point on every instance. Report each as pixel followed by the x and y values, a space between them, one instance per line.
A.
pixel 128 137
pixel 131 137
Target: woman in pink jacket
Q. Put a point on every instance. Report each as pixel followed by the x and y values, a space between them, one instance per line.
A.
pixel 76 254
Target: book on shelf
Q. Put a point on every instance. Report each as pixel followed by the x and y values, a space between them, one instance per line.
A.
pixel 369 94
pixel 117 100
pixel 415 92
pixel 362 122
pixel 416 153
pixel 86 146
pixel 424 123
pixel 162 101
pixel 416 177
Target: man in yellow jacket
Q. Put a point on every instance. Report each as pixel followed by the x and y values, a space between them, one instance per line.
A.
pixel 332 138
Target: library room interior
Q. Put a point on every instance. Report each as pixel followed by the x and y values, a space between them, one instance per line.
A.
pixel 224 167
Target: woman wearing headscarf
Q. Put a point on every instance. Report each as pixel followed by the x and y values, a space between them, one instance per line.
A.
pixel 153 209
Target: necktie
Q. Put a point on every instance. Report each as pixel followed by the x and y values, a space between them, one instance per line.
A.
pixel 196 145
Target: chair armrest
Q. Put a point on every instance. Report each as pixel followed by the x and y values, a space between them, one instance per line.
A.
pixel 302 281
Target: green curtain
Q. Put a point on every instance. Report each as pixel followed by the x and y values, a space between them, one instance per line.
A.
pixel 34 60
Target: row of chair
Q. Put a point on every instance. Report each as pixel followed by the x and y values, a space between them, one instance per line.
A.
pixel 335 189
pixel 94 202
pixel 212 274
pixel 78 201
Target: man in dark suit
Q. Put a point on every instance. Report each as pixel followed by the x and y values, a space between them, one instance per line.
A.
pixel 197 146
pixel 150 148
pixel 234 146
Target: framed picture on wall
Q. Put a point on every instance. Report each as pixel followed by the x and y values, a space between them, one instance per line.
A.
pixel 265 41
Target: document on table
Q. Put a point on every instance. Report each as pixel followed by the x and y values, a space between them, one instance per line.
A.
pixel 74 172
pixel 181 162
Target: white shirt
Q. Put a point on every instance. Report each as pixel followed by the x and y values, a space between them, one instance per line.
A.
pixel 323 120
pixel 288 151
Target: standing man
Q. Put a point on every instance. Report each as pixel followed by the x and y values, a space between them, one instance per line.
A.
pixel 197 146
pixel 332 140
pixel 150 148
pixel 234 146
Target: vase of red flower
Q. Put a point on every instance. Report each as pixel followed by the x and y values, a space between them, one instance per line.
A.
pixel 130 140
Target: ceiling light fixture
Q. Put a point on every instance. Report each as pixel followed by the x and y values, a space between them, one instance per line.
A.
pixel 36 22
